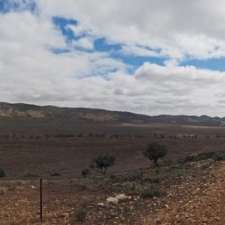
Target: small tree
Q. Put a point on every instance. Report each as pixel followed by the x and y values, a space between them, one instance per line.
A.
pixel 85 172
pixel 2 173
pixel 155 151
pixel 103 162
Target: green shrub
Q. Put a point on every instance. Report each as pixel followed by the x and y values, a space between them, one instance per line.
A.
pixel 217 156
pixel 135 176
pixel 55 174
pixel 150 192
pixel 129 187
pixel 154 152
pixel 103 162
pixel 179 172
pixel 80 215
pixel 85 172
pixel 155 180
pixel 2 173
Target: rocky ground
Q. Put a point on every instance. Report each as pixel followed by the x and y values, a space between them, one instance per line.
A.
pixel 202 204
pixel 193 193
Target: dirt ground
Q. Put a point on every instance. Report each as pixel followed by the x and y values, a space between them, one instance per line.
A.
pixel 204 205
pixel 191 193
pixel 43 152
pixel 194 195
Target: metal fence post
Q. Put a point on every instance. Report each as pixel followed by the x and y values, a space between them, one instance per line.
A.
pixel 41 200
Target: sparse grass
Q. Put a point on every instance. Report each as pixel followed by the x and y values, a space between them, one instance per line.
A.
pixel 216 155
pixel 150 192
pixel 179 172
pixel 80 215
pixel 153 180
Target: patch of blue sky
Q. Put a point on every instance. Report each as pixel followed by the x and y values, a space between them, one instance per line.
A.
pixel 101 45
pixel 114 50
pixel 23 5
pixel 63 25
pixel 217 64
pixel 136 61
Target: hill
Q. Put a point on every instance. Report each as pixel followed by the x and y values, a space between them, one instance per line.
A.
pixel 34 112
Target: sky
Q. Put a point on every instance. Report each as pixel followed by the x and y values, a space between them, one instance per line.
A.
pixel 144 56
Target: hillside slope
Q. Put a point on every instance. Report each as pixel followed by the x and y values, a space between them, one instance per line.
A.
pixel 203 205
pixel 26 111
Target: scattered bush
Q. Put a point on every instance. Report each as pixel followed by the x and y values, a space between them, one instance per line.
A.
pixel 154 152
pixel 85 172
pixel 133 176
pixel 80 215
pixel 143 190
pixel 55 174
pixel 2 173
pixel 217 156
pixel 129 187
pixel 150 193
pixel 80 135
pixel 179 172
pixel 113 177
pixel 103 162
pixel 154 180
pixel 31 175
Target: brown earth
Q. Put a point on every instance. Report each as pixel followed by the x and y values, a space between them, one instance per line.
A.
pixel 196 197
pixel 204 205
pixel 43 150
pixel 32 146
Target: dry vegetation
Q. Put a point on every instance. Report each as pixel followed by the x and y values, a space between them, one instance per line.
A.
pixel 149 194
pixel 174 190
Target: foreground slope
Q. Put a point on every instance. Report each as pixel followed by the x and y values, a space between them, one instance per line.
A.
pixel 203 205
pixel 194 198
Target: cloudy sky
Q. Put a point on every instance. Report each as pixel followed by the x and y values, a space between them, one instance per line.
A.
pixel 145 56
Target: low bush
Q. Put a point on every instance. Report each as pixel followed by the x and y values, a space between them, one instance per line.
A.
pixel 217 156
pixel 55 174
pixel 132 176
pixel 2 173
pixel 155 151
pixel 85 173
pixel 150 192
pixel 79 215
pixel 103 162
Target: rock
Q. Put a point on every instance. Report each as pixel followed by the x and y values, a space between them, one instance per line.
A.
pixel 3 190
pixel 112 200
pixel 166 206
pixel 118 198
pixel 122 197
pixel 101 204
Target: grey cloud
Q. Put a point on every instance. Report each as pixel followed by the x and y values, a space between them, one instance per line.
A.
pixel 30 72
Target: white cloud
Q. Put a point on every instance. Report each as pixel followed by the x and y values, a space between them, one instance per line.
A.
pixel 139 51
pixel 31 72
pixel 85 43
pixel 180 27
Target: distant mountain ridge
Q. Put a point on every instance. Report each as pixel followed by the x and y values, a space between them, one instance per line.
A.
pixel 27 111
